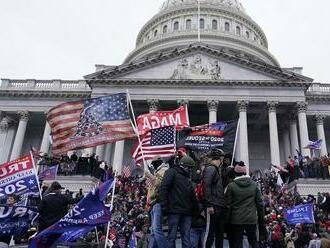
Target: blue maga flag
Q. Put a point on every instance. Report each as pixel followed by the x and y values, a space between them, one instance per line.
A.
pixel 315 145
pixel 49 174
pixel 206 137
pixel 301 214
pixel 87 214
pixel 16 220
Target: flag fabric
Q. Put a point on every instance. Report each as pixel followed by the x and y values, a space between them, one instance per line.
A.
pixel 154 120
pixel 300 156
pixel 18 177
pixel 88 123
pixel 127 171
pixel 278 168
pixel 279 180
pixel 206 137
pixel 81 219
pixel 301 214
pixel 132 243
pixel 49 173
pixel 159 142
pixel 315 145
pixel 16 220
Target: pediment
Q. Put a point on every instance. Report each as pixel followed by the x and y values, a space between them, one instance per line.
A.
pixel 197 67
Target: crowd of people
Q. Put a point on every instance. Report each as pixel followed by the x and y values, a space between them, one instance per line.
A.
pixel 201 201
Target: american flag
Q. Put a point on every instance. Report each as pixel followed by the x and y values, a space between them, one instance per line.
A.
pixel 127 171
pixel 88 123
pixel 157 142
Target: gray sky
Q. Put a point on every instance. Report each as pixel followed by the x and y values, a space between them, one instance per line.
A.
pixel 63 39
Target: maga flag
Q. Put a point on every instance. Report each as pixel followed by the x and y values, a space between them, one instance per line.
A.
pixel 89 123
pixel 49 174
pixel 303 214
pixel 87 214
pixel 206 137
pixel 177 118
pixel 18 177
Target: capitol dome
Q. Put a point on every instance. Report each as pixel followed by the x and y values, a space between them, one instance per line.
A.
pixel 224 24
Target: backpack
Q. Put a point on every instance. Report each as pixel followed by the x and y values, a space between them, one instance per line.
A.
pixel 199 191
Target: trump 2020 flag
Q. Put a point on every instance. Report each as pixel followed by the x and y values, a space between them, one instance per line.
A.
pixel 18 177
pixel 49 174
pixel 89 123
pixel 87 214
pixel 15 220
pixel 301 214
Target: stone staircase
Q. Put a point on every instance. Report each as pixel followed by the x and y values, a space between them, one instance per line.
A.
pixel 311 186
pixel 74 183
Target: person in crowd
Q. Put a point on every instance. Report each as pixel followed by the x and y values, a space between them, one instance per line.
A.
pixel 214 198
pixel 157 237
pixel 53 206
pixel 92 161
pixel 245 207
pixel 80 195
pixel 178 201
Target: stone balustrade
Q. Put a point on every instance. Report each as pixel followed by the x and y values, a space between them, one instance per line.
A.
pixel 318 88
pixel 44 85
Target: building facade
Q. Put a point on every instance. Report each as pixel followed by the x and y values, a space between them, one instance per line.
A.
pixel 211 56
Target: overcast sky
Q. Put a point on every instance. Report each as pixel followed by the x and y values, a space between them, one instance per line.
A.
pixel 63 39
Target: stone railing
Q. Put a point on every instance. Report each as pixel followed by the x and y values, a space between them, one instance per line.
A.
pixel 44 85
pixel 318 88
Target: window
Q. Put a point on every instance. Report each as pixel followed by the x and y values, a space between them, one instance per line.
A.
pixel 201 23
pixel 214 24
pixel 188 24
pixel 227 27
pixel 155 33
pixel 165 29
pixel 238 30
pixel 176 26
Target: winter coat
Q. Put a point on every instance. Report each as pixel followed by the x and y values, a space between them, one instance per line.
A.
pixel 243 199
pixel 52 208
pixel 176 193
pixel 213 188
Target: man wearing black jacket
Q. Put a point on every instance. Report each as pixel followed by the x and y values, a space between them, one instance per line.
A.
pixel 214 198
pixel 178 200
pixel 53 206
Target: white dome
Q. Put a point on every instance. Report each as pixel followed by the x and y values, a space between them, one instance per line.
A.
pixel 235 4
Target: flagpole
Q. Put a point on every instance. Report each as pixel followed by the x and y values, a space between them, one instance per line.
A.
pixel 235 143
pixel 199 20
pixel 36 173
pixel 111 207
pixel 136 128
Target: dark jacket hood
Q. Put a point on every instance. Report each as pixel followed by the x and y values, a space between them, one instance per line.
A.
pixel 243 181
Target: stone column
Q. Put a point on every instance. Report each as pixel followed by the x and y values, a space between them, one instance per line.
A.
pixel 303 130
pixel 213 110
pixel 45 144
pixel 107 153
pixel 286 143
pixel 182 102
pixel 100 152
pixel 320 133
pixel 294 135
pixel 118 156
pixel 4 124
pixel 273 134
pixel 243 132
pixel 19 138
pixel 153 105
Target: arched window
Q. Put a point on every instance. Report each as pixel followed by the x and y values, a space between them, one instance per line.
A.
pixel 227 27
pixel 155 33
pixel 165 29
pixel 188 24
pixel 176 26
pixel 201 23
pixel 214 24
pixel 247 34
pixel 238 30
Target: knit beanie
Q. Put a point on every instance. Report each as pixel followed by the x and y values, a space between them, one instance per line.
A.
pixel 187 161
pixel 240 168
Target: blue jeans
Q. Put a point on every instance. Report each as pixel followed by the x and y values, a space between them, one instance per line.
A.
pixel 157 237
pixel 197 237
pixel 182 221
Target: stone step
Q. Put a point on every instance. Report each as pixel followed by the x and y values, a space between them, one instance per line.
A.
pixel 311 186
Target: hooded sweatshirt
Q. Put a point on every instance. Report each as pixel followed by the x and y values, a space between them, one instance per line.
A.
pixel 243 199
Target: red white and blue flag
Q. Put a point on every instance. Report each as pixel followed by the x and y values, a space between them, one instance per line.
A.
pixel 155 143
pixel 49 174
pixel 89 123
pixel 18 177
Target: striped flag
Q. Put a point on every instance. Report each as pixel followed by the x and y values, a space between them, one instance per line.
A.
pixel 157 142
pixel 89 123
pixel 127 171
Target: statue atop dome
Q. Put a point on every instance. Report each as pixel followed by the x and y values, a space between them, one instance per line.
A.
pixel 235 4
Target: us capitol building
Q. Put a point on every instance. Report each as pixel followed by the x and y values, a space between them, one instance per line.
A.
pixel 222 70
